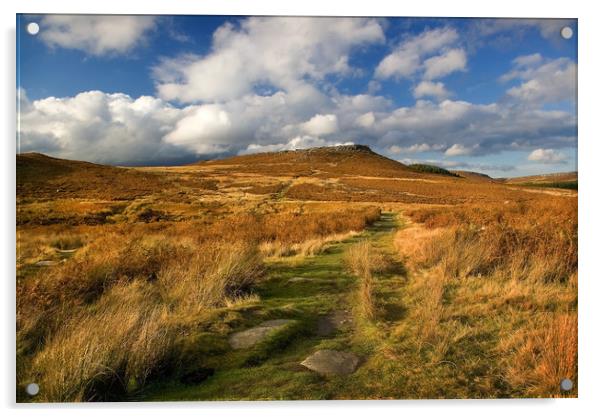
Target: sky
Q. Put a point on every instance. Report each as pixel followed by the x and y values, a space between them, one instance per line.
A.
pixel 496 96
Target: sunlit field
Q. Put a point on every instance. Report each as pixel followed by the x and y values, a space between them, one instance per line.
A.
pixel 131 282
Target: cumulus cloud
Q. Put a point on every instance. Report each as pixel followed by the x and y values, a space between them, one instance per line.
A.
pixel 365 120
pixel 431 89
pixel 121 129
pixel 408 58
pixel 203 130
pixel 457 149
pixel 282 52
pixel 299 142
pixel 444 64
pixel 547 156
pixel 493 127
pixel 415 148
pixel 321 124
pixel 101 127
pixel 266 85
pixel 543 81
pixel 95 35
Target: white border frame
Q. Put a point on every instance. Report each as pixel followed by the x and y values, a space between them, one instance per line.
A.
pixel 589 151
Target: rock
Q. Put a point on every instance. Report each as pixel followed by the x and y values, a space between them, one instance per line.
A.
pixel 197 376
pixel 329 324
pixel 331 362
pixel 254 335
pixel 46 263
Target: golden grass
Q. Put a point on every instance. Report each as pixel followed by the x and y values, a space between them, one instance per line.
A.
pixel 363 261
pixel 96 353
pixel 544 353
pixel 105 318
pixel 511 268
pixel 159 250
pixel 310 247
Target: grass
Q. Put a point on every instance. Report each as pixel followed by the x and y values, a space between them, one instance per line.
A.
pixel 453 288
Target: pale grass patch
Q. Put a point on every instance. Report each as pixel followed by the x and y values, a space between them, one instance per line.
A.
pixel 309 247
pixel 414 243
pixel 363 261
pixel 429 288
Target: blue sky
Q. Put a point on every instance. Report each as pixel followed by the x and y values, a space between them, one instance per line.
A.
pixel 489 95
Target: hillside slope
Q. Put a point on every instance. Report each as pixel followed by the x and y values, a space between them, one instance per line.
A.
pixel 40 176
pixel 334 161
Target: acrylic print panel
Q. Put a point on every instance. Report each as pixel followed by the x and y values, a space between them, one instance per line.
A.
pixel 293 208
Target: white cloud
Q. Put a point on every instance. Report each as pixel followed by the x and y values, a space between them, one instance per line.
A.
pixel 121 129
pixel 202 130
pixel 544 81
pixel 95 35
pixel 282 52
pixel 365 120
pixel 547 156
pixel 299 142
pixel 406 59
pixel 431 89
pixel 527 60
pixel 416 148
pixel 100 127
pixel 493 127
pixel 321 124
pixel 457 150
pixel 444 64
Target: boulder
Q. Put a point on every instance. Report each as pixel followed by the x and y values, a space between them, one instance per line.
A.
pixel 250 337
pixel 331 323
pixel 331 362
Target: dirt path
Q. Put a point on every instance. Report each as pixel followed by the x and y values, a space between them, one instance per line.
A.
pixel 317 295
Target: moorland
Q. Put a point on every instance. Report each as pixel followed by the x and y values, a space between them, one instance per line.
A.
pixel 222 279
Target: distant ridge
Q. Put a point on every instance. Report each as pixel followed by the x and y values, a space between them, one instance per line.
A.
pixel 326 161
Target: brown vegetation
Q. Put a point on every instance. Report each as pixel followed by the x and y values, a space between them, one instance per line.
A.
pixel 139 258
pixel 516 260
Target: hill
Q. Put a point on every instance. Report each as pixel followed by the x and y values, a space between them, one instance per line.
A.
pixel 40 176
pixel 333 161
pixel 565 180
pixel 544 178
pixel 476 176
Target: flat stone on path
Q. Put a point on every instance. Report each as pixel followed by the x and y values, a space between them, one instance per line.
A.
pixel 331 362
pixel 254 335
pixel 329 324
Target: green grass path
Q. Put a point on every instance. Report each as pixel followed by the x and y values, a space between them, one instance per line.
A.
pixel 272 370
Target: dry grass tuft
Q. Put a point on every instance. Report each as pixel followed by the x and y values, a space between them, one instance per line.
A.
pixel 545 353
pixel 310 247
pixel 96 353
pixel 363 261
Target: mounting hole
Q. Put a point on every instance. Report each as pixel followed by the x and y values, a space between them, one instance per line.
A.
pixel 32 389
pixel 566 384
pixel 566 32
pixel 33 28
